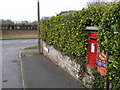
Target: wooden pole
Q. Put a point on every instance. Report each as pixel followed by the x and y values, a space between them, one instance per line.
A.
pixel 39 51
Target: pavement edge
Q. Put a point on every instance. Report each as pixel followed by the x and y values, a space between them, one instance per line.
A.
pixel 21 65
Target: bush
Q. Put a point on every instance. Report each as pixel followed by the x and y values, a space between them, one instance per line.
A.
pixel 109 37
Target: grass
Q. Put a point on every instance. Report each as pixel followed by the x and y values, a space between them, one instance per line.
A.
pixel 31 47
pixel 14 38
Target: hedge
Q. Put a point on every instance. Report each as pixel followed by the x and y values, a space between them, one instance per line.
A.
pixel 66 32
pixel 109 41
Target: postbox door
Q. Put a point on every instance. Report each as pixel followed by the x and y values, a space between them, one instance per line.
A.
pixel 92 50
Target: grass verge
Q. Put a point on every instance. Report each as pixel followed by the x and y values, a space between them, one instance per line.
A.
pixel 31 47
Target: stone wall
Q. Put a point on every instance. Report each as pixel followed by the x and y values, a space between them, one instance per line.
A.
pixel 19 33
pixel 70 66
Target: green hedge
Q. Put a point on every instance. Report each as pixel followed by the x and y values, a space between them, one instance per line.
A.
pixel 66 32
pixel 109 41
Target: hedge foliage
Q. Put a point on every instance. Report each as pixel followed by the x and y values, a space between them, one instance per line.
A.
pixel 66 32
pixel 109 41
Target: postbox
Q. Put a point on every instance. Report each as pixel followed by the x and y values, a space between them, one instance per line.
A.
pixel 92 49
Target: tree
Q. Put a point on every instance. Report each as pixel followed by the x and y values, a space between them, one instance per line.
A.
pixel 7 22
pixel 95 2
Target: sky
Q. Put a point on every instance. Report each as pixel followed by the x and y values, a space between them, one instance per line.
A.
pixel 20 10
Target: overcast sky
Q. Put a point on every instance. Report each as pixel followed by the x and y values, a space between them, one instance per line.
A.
pixel 27 9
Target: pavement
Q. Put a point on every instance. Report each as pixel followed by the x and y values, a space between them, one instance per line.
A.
pixel 39 72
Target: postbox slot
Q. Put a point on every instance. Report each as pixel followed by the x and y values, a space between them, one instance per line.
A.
pixel 93 38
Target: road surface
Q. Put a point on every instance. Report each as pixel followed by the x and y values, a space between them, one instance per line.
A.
pixel 39 72
pixel 11 75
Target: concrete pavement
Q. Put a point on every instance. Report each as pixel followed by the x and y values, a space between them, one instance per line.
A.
pixel 40 72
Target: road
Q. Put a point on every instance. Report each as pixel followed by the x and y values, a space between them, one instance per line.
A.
pixel 46 74
pixel 11 75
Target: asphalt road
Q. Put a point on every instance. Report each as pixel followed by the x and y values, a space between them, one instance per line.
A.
pixel 11 75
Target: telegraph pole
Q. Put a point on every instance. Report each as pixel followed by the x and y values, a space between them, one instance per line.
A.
pixel 38 27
